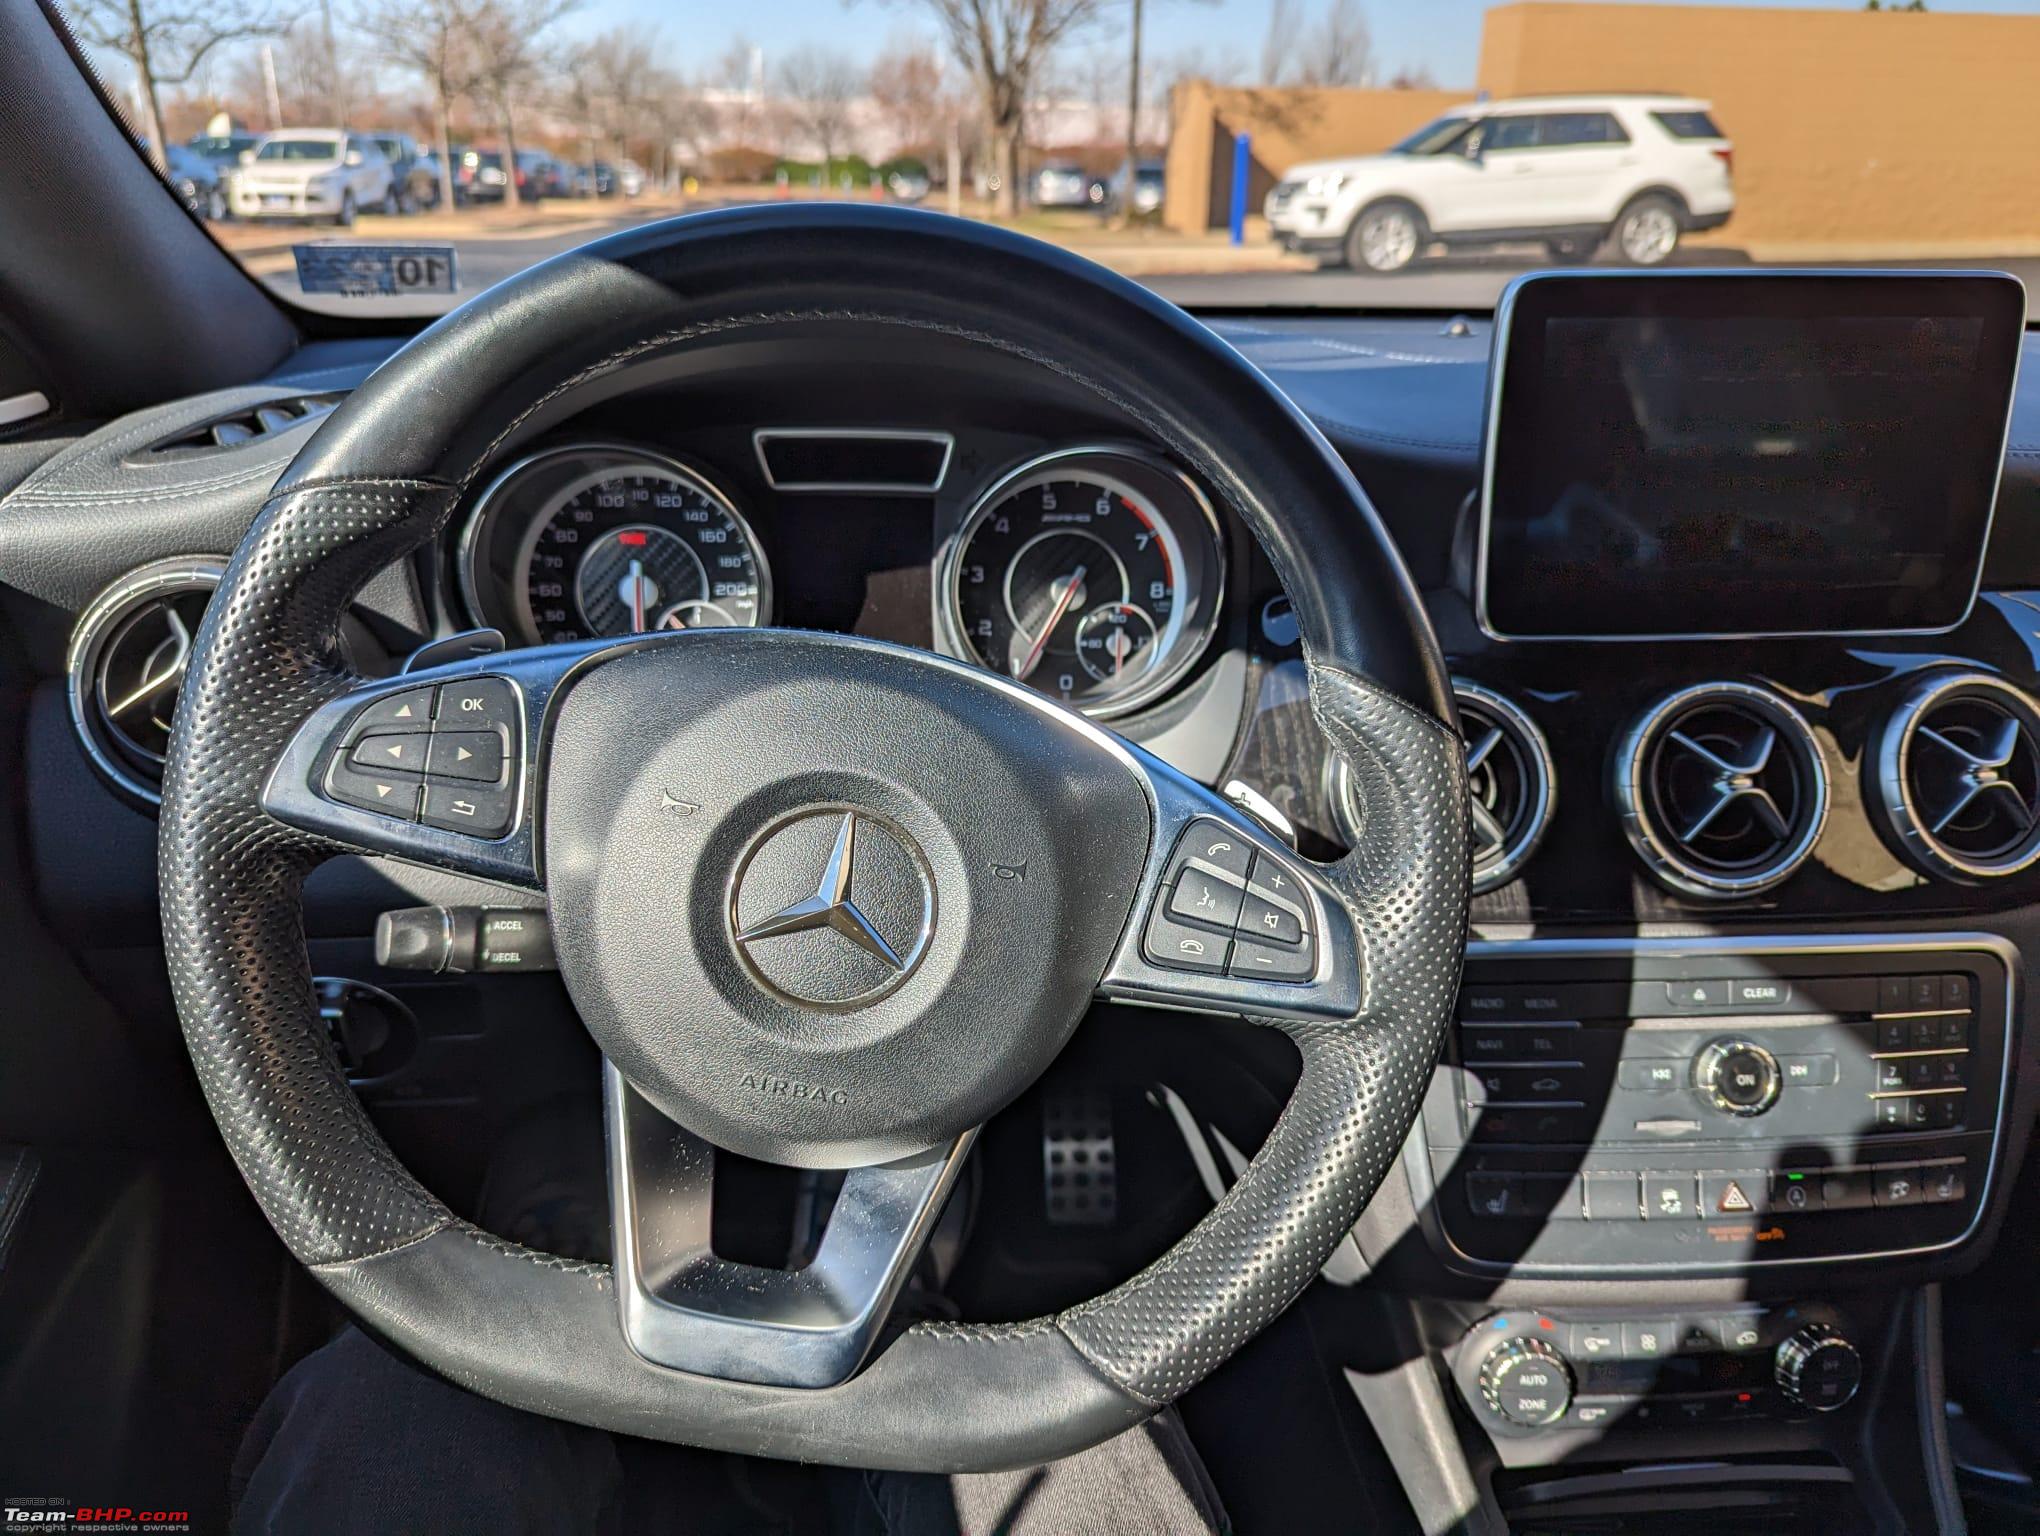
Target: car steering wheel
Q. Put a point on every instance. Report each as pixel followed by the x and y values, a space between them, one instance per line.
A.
pixel 819 900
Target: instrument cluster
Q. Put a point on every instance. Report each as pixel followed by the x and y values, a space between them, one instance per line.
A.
pixel 1093 572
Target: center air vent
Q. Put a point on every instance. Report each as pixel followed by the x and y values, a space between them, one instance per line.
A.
pixel 127 660
pixel 1958 777
pixel 1722 789
pixel 1509 776
pixel 245 426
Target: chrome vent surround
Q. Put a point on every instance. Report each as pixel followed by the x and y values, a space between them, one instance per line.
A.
pixel 127 659
pixel 1958 777
pixel 245 426
pixel 1722 790
pixel 1509 773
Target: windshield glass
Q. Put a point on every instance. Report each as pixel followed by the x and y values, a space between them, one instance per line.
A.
pixel 1349 154
pixel 1434 137
pixel 299 149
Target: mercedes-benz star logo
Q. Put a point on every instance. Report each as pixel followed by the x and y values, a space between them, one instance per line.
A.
pixel 828 946
pixel 830 906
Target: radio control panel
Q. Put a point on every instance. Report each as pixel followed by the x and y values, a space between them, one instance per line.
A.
pixel 1706 1105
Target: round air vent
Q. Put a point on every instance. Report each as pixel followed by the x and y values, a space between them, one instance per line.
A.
pixel 1722 789
pixel 1958 777
pixel 1509 774
pixel 127 660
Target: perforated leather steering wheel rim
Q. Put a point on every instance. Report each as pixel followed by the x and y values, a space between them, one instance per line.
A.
pixel 382 476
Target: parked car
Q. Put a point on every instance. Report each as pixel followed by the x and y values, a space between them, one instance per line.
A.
pixel 630 179
pixel 1146 196
pixel 1574 172
pixel 605 178
pixel 479 178
pixel 223 151
pixel 907 184
pixel 1066 186
pixel 312 173
pixel 414 180
pixel 196 180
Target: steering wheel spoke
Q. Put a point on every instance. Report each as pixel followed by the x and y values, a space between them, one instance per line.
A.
pixel 436 767
pixel 684 1307
pixel 1229 920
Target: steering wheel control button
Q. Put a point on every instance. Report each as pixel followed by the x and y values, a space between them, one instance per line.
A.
pixel 476 755
pixel 1263 920
pixel 1251 959
pixel 478 810
pixel 1181 947
pixel 387 794
pixel 1208 900
pixel 410 710
pixel 391 754
pixel 1215 844
pixel 486 703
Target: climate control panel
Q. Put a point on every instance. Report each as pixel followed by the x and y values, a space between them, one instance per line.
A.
pixel 1522 1373
pixel 1708 1104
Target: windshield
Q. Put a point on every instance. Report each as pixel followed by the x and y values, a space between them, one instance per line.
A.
pixel 1434 137
pixel 299 149
pixel 1346 154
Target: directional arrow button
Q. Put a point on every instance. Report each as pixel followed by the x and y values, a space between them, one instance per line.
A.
pixel 395 753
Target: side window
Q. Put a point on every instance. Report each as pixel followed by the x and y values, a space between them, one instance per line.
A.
pixel 1582 128
pixel 1518 131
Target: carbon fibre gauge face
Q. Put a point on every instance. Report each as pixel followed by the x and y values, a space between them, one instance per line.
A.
pixel 584 542
pixel 1090 574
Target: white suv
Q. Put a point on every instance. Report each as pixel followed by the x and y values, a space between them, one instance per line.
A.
pixel 312 173
pixel 1570 171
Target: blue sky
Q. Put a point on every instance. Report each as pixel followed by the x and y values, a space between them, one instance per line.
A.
pixel 1442 36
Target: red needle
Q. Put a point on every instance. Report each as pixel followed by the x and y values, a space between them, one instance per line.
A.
pixel 1062 606
pixel 637 596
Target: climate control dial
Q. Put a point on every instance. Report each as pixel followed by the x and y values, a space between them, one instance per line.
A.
pixel 1527 1382
pixel 1818 1369
pixel 1739 1077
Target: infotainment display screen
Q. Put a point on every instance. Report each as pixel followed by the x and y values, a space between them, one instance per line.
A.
pixel 1691 455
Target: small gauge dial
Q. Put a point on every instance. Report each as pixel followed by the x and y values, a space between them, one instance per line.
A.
pixel 591 541
pixel 1092 575
pixel 1116 642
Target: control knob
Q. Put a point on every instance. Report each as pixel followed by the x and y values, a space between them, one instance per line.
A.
pixel 1739 1077
pixel 1527 1382
pixel 1818 1369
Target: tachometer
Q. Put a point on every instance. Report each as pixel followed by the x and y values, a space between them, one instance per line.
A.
pixel 1092 574
pixel 586 541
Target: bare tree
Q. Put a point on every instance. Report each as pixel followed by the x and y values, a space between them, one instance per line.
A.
pixel 1339 50
pixel 1278 43
pixel 1413 77
pixel 166 41
pixel 433 39
pixel 623 79
pixel 1004 44
pixel 909 88
pixel 819 85
pixel 511 59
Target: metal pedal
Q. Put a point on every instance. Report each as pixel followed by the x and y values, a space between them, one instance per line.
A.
pixel 1079 1160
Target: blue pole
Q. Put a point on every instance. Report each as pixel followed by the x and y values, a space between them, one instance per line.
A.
pixel 1241 164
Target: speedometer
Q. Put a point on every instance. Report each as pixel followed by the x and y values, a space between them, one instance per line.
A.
pixel 1092 574
pixel 590 541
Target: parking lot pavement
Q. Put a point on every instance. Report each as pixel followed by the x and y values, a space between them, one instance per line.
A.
pixel 490 254
pixel 1469 282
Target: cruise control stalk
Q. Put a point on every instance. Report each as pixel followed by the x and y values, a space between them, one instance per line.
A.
pixel 464 939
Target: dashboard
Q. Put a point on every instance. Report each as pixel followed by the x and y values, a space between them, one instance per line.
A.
pixel 1743 1041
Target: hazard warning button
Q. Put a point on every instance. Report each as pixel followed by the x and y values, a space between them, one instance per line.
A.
pixel 1735 1194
